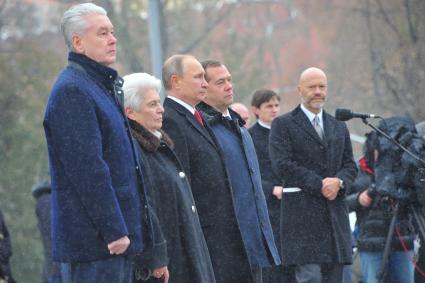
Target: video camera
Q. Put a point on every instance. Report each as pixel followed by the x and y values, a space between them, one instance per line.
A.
pixel 400 171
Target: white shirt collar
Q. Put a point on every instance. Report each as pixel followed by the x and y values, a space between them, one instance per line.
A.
pixel 262 124
pixel 227 114
pixel 182 103
pixel 311 115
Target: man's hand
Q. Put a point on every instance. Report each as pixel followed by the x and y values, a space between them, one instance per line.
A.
pixel 278 192
pixel 330 188
pixel 161 272
pixel 364 199
pixel 119 246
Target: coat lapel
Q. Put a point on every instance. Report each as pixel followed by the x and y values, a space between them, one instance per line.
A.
pixel 328 127
pixel 304 124
pixel 190 118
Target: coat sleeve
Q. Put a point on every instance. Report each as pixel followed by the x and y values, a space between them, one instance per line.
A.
pixel 76 139
pixel 155 255
pixel 361 183
pixel 285 164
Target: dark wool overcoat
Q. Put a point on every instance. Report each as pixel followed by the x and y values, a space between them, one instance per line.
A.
pixel 249 162
pixel 95 187
pixel 169 190
pixel 260 137
pixel 313 229
pixel 42 194
pixel 203 164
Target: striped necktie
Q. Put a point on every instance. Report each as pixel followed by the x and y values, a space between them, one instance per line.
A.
pixel 317 127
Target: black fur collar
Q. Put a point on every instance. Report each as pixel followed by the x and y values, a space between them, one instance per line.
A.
pixel 213 116
pixel 148 140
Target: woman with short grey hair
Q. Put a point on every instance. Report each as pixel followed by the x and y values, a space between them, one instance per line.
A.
pixel 185 252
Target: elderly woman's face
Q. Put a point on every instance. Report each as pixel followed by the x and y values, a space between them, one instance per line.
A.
pixel 149 115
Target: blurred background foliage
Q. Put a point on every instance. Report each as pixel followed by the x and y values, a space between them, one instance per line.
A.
pixel 372 50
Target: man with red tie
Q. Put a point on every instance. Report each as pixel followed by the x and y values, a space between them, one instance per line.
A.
pixel 204 165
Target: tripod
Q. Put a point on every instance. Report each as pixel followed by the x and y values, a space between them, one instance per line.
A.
pixel 411 208
pixel 419 219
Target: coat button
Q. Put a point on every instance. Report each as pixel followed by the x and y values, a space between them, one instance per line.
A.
pixel 193 209
pixel 182 175
pixel 137 167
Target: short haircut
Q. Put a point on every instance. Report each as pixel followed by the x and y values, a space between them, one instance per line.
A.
pixel 73 21
pixel 210 64
pixel 173 66
pixel 261 96
pixel 135 86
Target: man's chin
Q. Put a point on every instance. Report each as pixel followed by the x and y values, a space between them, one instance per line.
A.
pixel 317 106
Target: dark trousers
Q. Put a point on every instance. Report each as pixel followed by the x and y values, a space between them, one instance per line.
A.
pixel 117 269
pixel 318 273
pixel 257 275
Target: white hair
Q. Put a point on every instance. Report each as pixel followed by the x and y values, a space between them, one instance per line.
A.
pixel 73 21
pixel 135 86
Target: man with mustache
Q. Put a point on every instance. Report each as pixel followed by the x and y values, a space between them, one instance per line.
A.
pixel 311 152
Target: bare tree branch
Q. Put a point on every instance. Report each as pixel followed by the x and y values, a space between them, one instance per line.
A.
pixel 2 5
pixel 210 27
pixel 412 29
pixel 373 54
pixel 387 18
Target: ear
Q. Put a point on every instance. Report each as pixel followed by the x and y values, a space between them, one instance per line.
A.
pixel 254 110
pixel 299 90
pixel 130 113
pixel 175 81
pixel 77 43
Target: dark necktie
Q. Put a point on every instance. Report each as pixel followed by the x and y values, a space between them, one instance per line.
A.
pixel 199 118
pixel 227 121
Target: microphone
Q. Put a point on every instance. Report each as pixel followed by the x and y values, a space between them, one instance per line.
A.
pixel 346 114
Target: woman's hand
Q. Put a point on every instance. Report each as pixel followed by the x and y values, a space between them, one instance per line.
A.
pixel 161 272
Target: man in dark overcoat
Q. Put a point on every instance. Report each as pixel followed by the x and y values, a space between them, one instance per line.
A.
pixel 97 213
pixel 265 105
pixel 242 166
pixel 311 152
pixel 203 163
pixel 42 193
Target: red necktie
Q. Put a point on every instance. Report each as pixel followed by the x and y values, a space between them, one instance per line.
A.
pixel 199 118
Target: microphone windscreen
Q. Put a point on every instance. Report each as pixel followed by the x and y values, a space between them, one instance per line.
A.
pixel 343 114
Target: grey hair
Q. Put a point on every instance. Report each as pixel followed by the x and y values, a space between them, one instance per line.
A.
pixel 135 86
pixel 173 66
pixel 73 21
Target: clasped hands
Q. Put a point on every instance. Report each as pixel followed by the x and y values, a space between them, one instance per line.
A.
pixel 330 187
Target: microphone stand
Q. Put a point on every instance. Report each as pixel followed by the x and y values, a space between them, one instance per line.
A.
pixel 417 216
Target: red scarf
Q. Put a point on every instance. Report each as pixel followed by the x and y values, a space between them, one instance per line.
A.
pixel 364 167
